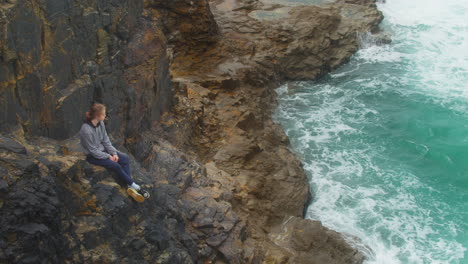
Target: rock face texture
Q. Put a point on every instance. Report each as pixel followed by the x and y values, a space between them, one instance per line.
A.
pixel 188 87
pixel 57 56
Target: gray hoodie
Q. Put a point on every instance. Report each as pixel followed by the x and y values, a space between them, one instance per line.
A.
pixel 94 140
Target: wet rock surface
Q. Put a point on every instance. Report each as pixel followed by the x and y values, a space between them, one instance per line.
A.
pixel 189 91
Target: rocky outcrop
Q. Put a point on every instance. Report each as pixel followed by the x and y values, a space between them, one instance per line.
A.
pixel 58 208
pixel 227 93
pixel 57 57
pixel 187 23
pixel 189 90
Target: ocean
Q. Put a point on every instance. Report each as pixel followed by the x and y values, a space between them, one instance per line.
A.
pixel 384 138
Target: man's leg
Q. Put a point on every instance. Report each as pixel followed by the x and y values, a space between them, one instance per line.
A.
pixel 124 161
pixel 115 166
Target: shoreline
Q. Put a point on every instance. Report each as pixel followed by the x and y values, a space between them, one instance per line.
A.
pixel 189 86
pixel 245 127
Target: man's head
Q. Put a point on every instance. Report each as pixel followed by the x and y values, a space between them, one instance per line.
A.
pixel 97 111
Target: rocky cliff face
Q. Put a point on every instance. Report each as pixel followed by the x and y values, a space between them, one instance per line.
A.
pixel 57 56
pixel 188 86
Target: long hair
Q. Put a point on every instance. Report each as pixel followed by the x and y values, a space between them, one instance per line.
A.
pixel 94 110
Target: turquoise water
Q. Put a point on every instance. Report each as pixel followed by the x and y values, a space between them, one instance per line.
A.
pixel 384 138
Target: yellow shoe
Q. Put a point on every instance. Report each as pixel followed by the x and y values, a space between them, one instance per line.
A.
pixel 135 195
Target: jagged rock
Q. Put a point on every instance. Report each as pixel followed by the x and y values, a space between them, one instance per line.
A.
pixel 312 243
pixel 186 22
pixel 83 209
pixel 11 145
pixel 233 127
pixel 69 55
pixel 188 87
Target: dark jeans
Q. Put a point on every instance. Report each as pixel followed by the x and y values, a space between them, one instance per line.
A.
pixel 121 167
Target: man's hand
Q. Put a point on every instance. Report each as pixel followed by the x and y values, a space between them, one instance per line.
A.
pixel 114 158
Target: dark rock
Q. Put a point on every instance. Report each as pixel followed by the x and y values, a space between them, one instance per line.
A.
pixel 158 237
pixel 137 244
pixel 78 52
pixel 3 186
pixel 11 145
pixel 32 228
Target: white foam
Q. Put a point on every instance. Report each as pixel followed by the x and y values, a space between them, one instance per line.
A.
pixel 380 54
pixel 439 34
pixel 429 43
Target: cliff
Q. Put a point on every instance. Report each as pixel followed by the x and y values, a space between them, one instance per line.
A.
pixel 189 91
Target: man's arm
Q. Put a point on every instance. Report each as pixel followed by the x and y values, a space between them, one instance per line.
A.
pixel 106 142
pixel 98 154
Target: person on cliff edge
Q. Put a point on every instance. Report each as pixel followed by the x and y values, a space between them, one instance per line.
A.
pixel 98 148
